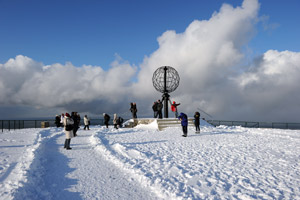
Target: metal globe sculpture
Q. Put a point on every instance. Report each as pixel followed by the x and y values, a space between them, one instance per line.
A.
pixel 165 80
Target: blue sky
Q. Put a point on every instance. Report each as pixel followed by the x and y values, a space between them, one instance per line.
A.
pixel 93 32
pixel 237 61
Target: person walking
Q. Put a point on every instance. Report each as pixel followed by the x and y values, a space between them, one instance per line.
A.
pixel 159 109
pixel 106 119
pixel 197 121
pixel 69 125
pixel 115 121
pixel 184 123
pixel 86 122
pixel 174 108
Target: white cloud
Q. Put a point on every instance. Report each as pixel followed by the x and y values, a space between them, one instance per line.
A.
pixel 26 82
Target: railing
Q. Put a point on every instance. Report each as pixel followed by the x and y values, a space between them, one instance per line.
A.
pixel 280 125
pixel 21 124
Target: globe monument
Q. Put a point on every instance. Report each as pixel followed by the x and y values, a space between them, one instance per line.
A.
pixel 165 80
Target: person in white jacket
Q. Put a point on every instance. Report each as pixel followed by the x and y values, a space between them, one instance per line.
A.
pixel 115 121
pixel 86 121
pixel 62 119
pixel 69 125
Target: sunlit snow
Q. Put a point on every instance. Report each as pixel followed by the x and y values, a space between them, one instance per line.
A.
pixel 144 163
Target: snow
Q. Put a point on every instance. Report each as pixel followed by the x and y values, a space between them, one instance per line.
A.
pixel 144 163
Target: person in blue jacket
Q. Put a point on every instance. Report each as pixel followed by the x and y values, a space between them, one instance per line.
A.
pixel 184 123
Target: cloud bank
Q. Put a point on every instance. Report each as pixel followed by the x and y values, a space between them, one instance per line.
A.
pixel 208 56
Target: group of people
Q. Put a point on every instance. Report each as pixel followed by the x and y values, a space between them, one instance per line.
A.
pixel 71 124
pixel 117 121
pixel 184 122
pixel 157 109
pixel 158 106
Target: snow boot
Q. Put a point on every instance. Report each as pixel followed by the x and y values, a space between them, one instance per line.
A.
pixel 68 145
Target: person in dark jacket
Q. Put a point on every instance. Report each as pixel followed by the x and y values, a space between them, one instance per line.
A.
pixel 133 110
pixel 106 119
pixel 57 121
pixel 120 122
pixel 76 120
pixel 159 109
pixel 197 121
pixel 184 123
pixel 154 108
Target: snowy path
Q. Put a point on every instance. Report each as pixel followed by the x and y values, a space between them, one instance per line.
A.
pixel 143 163
pixel 80 173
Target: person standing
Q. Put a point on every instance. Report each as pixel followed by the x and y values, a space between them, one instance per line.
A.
pixel 159 109
pixel 197 121
pixel 68 124
pixel 106 119
pixel 174 108
pixel 154 108
pixel 86 122
pixel 62 119
pixel 184 123
pixel 115 121
pixel 57 121
pixel 133 110
pixel 120 122
pixel 76 120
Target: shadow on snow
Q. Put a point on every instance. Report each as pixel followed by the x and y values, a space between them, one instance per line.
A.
pixel 47 177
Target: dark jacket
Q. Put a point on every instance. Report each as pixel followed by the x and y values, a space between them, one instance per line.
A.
pixel 184 119
pixel 159 106
pixel 197 118
pixel 106 118
pixel 154 107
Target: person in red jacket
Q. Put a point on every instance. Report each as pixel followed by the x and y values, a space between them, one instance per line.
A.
pixel 174 108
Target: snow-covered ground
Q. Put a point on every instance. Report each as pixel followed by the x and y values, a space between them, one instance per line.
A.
pixel 144 163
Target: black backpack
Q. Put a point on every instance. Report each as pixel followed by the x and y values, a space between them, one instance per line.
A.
pixel 69 127
pixel 120 120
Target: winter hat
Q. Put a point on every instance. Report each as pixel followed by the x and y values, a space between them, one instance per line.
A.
pixel 67 115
